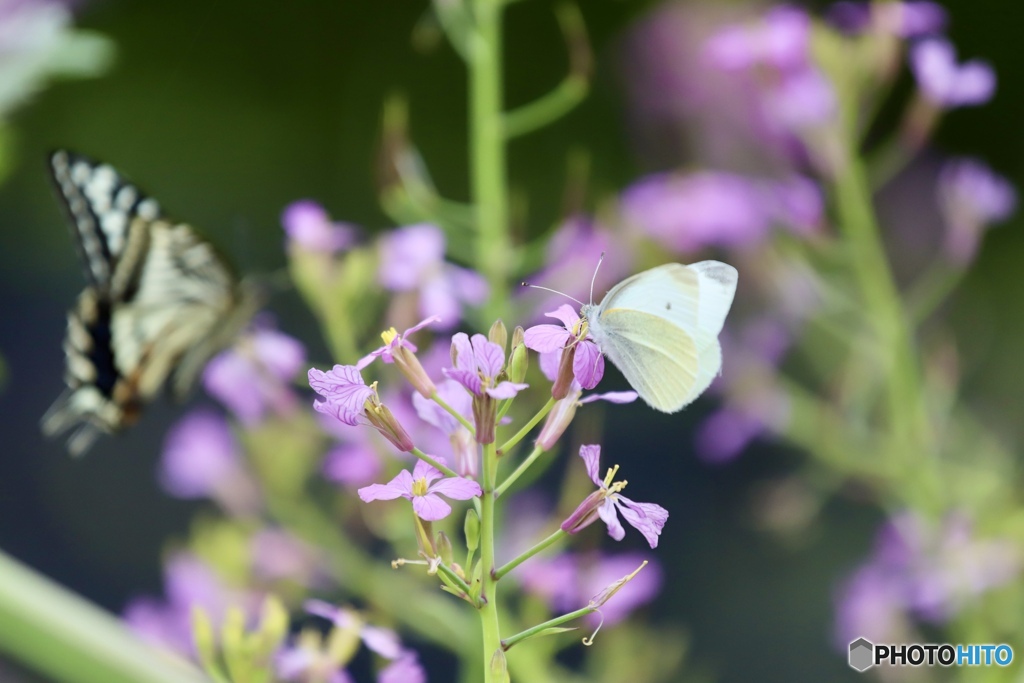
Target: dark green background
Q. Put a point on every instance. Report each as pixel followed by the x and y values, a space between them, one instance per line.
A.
pixel 226 111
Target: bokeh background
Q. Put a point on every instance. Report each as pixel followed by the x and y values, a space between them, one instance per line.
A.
pixel 227 111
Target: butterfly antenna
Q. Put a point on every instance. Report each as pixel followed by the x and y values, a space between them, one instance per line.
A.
pixel 594 279
pixel 553 291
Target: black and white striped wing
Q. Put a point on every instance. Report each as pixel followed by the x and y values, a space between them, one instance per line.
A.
pixel 160 303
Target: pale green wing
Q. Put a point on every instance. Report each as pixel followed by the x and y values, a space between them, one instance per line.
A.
pixel 661 361
pixel 671 292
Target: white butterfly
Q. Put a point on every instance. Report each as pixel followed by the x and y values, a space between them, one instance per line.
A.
pixel 660 328
pixel 160 302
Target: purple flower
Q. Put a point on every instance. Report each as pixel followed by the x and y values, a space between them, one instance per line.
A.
pixel 383 641
pixel 309 227
pixel 971 197
pixel 587 363
pixel 398 350
pixel 901 19
pixel 780 40
pixel 567 581
pixel 571 256
pixel 347 398
pixel 801 99
pixel 423 487
pixel 278 555
pixel 412 258
pixel 607 503
pixel 726 433
pixel 564 411
pixel 924 570
pixel 405 669
pixel 463 444
pixel 188 583
pixel 478 362
pixel 688 213
pixel 200 459
pixel 945 83
pixel 254 376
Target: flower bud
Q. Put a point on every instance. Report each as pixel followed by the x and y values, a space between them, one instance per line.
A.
pixel 444 547
pixel 563 381
pixel 499 667
pixel 519 359
pixel 467 459
pixel 471 528
pixel 586 514
pixel 557 421
pixel 498 335
pixel 485 414
pixel 614 588
pixel 388 425
pixel 410 367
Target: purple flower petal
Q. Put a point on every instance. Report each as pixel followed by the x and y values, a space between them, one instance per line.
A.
pixel 407 255
pixel 567 314
pixel 352 464
pixel 467 378
pixel 591 454
pixel 398 487
pixel 546 338
pixel 199 455
pixel 308 225
pixel 607 512
pixel 456 488
pixel 343 385
pixel 588 365
pixel 933 62
pixel 647 518
pixel 611 397
pixel 424 470
pixel 383 641
pixel 462 352
pixel 430 507
pixel 506 390
pixel 489 356
pixel 405 669
pixel 439 299
pixel 337 411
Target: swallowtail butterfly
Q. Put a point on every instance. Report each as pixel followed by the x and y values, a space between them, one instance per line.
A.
pixel 159 303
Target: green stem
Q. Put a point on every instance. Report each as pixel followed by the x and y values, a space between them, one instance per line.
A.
pixel 489 594
pixel 454 413
pixel 548 109
pixel 458 581
pixel 68 639
pixel 519 471
pixel 506 568
pixel 505 447
pixel 508 643
pixel 882 302
pixel 487 155
pixel 447 471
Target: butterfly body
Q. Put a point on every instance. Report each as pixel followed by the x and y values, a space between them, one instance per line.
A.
pixel 660 328
pixel 160 301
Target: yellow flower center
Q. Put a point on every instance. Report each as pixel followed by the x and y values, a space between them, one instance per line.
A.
pixel 389 336
pixel 613 486
pixel 420 486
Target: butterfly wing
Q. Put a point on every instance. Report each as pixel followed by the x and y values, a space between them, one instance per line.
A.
pixel 160 304
pixel 660 328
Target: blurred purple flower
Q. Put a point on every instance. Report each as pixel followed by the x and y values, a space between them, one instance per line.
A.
pixel 278 555
pixel 478 362
pixel 200 459
pixel 412 258
pixel 726 433
pixel 423 487
pixel 688 213
pixel 971 197
pixel 464 446
pixel 405 669
pixel 571 258
pixel 923 570
pixel 945 83
pixel 354 463
pixel 902 19
pixel 567 581
pixel 588 362
pixel 780 40
pixel 188 583
pixel 607 503
pixel 309 227
pixel 253 377
pixel 801 99
pixel 383 641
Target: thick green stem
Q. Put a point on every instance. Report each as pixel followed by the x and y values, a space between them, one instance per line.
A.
pixel 487 153
pixel 66 638
pixel 489 594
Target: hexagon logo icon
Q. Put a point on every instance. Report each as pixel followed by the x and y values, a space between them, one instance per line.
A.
pixel 862 654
